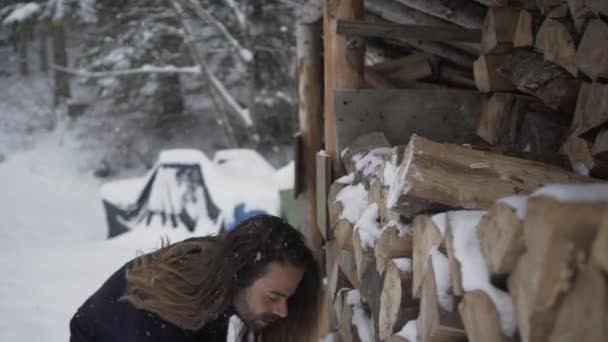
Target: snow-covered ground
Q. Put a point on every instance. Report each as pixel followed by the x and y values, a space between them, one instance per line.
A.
pixel 53 247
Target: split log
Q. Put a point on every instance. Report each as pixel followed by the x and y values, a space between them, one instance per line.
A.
pixel 410 68
pixel 464 13
pixel 526 29
pixel 545 80
pixel 397 338
pixel 584 311
pixel 377 194
pixel 337 280
pixel 578 151
pixel 362 146
pixel 452 54
pixel 396 303
pixel 498 30
pixel 532 324
pixel 600 147
pixel 376 81
pixel 558 236
pixel 348 266
pixel 598 6
pixel 480 318
pixel 546 6
pixel 501 118
pixel 371 288
pixel 395 241
pixel 434 322
pixel 581 13
pixel 426 236
pixel 341 229
pixel 455 267
pixel 556 39
pixel 364 258
pixel 542 133
pixel 600 246
pixel 591 113
pixel 348 331
pixel 455 76
pixel 437 176
pixel 500 233
pixel 592 53
pixel 487 78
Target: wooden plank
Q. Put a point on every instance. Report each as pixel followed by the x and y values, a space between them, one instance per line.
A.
pixel 390 30
pixel 323 175
pixel 344 60
pixel 437 176
pixel 400 113
pixel 310 111
pixel 592 53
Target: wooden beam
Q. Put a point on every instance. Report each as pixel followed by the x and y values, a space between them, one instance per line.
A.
pixel 463 13
pixel 310 110
pixel 444 115
pixel 344 60
pixel 437 176
pixel 323 176
pixel 389 30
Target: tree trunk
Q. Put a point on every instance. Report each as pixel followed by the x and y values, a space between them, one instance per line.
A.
pixel 24 37
pixel 44 51
pixel 60 58
pixel 170 93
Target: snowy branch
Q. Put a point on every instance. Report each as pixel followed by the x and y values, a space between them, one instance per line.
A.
pixel 216 85
pixel 146 69
pixel 244 54
pixel 238 13
pixel 242 112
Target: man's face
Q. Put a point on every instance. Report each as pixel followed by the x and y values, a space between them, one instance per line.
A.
pixel 265 301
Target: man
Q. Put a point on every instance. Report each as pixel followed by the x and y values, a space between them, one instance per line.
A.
pixel 261 271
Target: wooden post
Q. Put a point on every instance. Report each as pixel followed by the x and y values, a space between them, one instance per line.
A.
pixel 309 112
pixel 344 57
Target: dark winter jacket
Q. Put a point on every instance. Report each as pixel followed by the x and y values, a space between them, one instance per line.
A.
pixel 104 317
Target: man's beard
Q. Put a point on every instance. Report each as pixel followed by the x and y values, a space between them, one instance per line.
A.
pixel 254 322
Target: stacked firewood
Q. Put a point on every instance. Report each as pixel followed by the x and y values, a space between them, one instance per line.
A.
pixel 542 64
pixel 443 242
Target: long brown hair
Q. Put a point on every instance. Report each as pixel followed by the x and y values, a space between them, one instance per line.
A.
pixel 193 282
